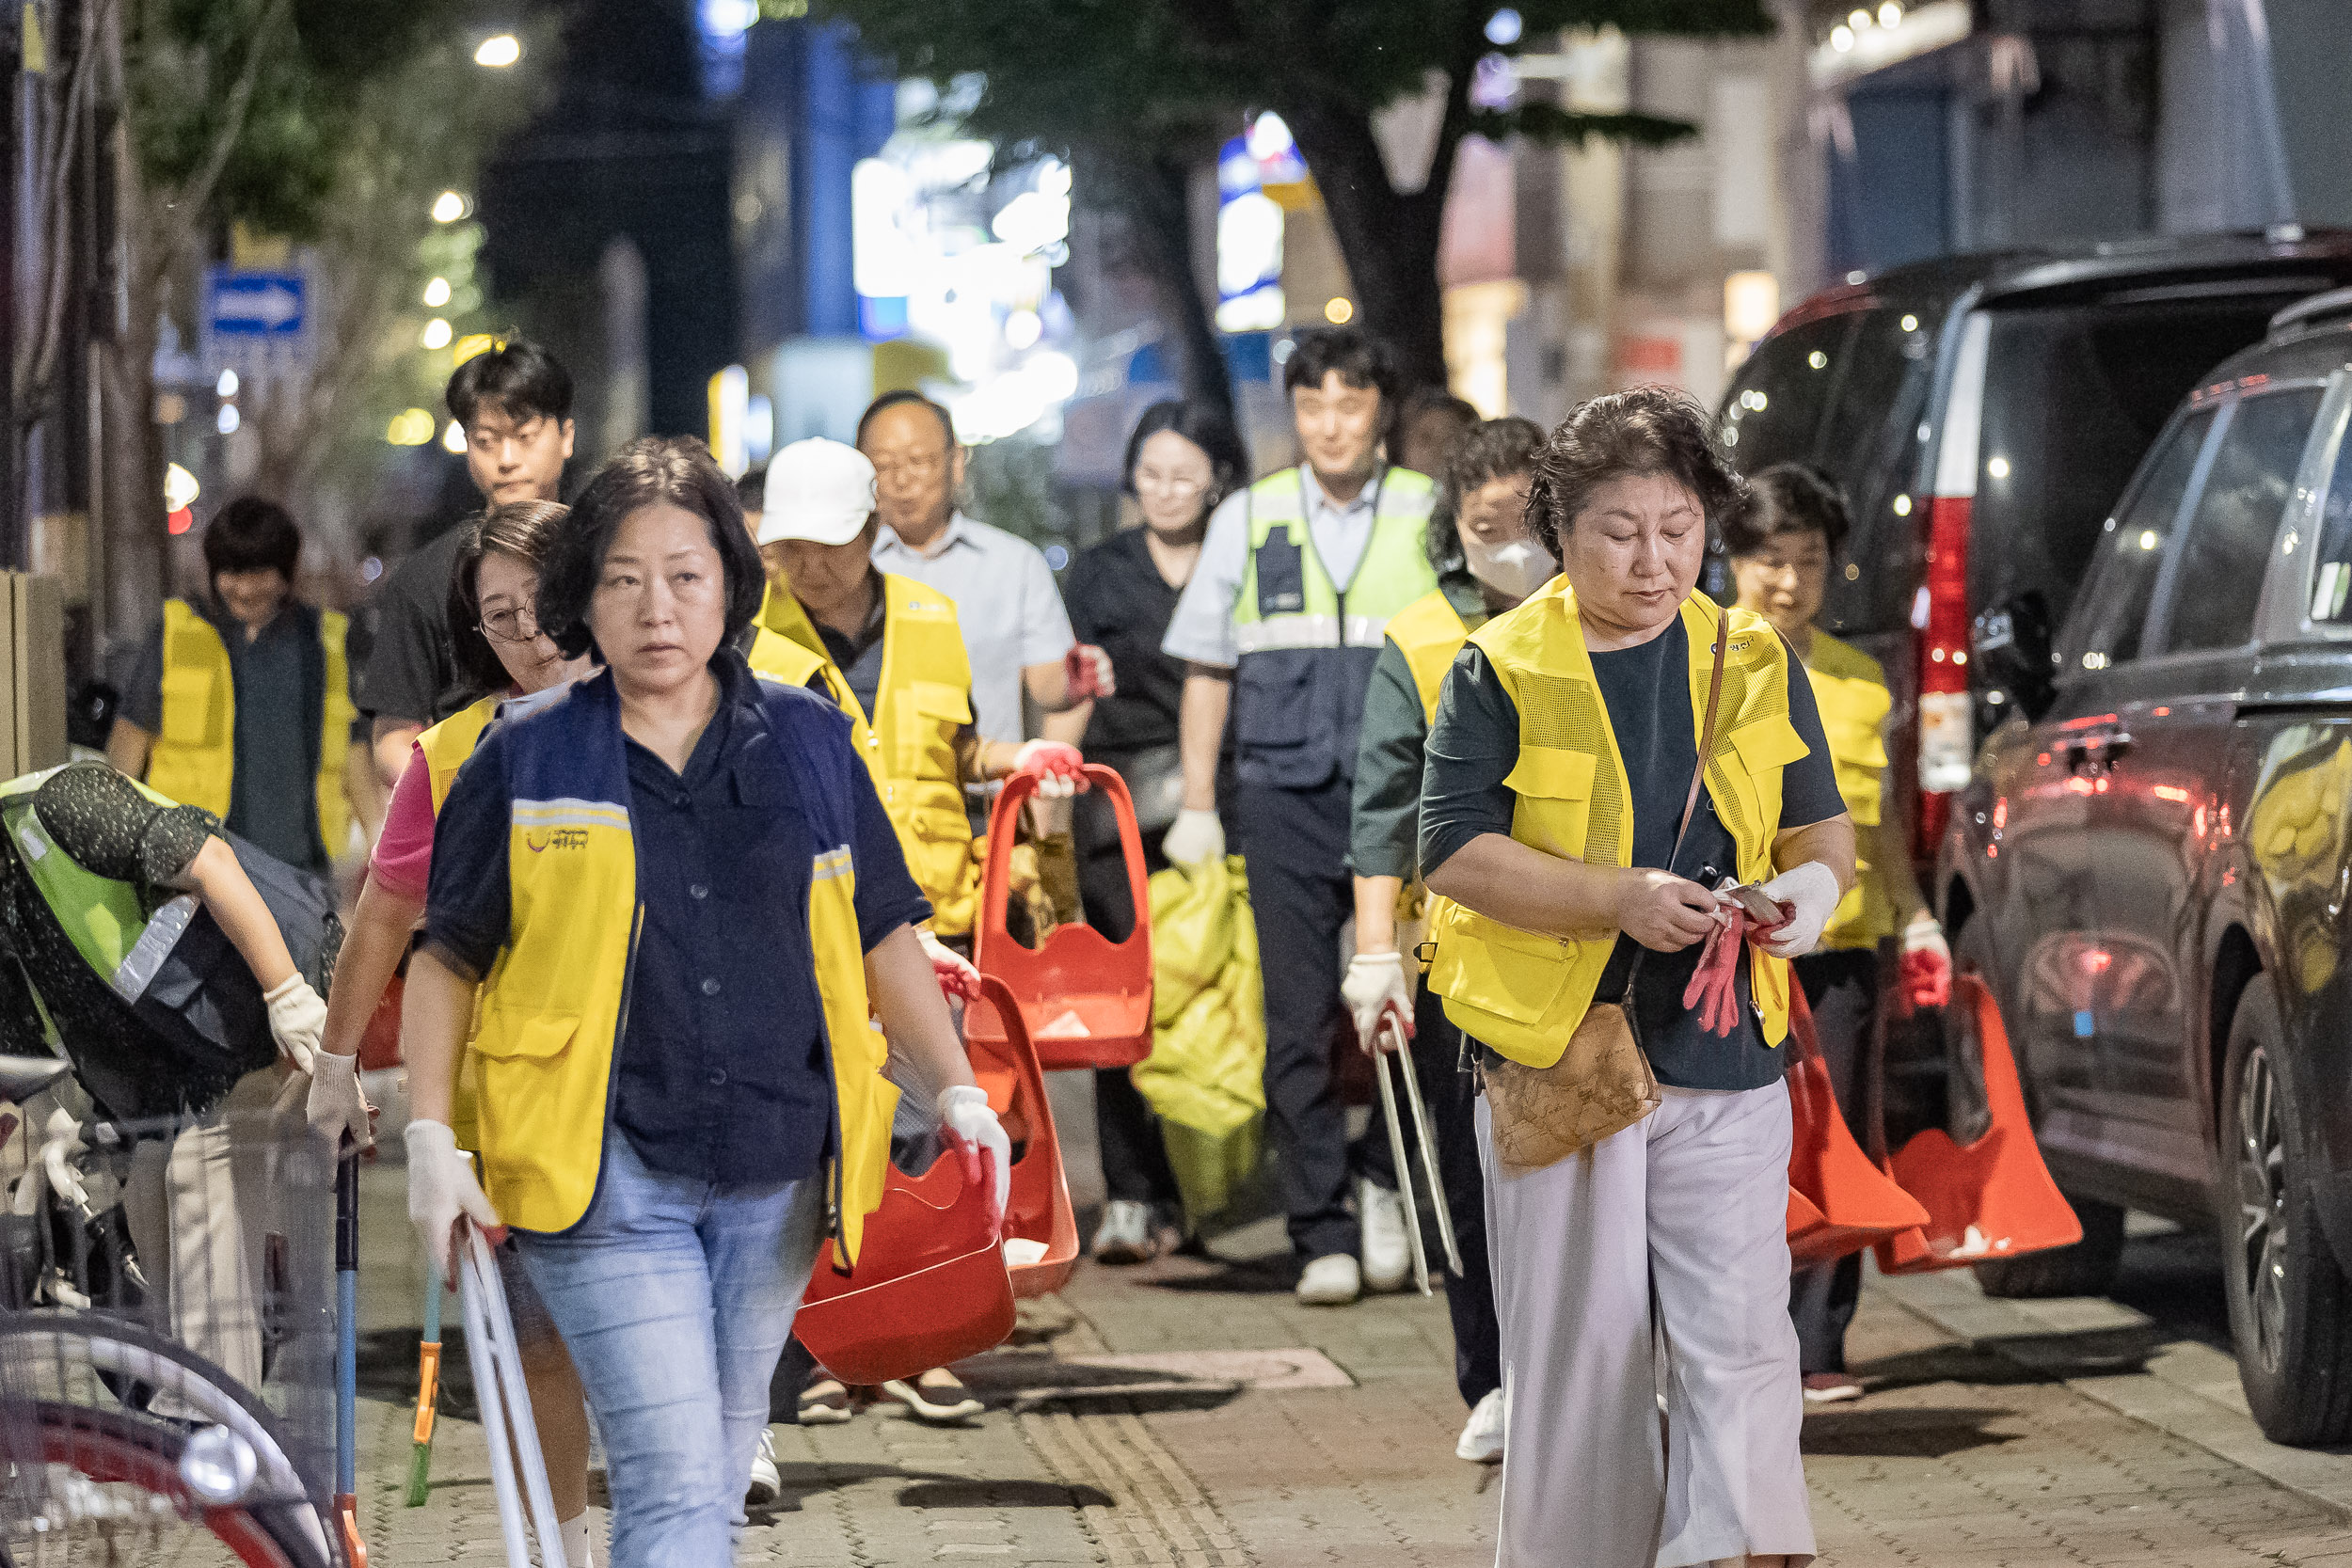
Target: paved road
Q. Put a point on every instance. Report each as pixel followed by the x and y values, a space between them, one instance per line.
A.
pixel 1279 1435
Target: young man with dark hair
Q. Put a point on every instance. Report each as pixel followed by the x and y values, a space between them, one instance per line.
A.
pixel 1281 625
pixel 515 403
pixel 240 702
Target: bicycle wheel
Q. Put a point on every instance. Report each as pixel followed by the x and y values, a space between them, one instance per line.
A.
pixel 102 1466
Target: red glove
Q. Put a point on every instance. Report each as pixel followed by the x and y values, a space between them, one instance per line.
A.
pixel 1088 671
pixel 1926 963
pixel 1714 988
pixel 1060 767
pixel 956 975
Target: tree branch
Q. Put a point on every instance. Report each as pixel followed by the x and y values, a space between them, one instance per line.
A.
pixel 194 195
pixel 1549 123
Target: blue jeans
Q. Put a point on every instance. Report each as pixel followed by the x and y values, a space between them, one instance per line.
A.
pixel 674 1297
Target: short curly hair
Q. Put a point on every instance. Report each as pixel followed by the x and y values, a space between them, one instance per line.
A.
pixel 1489 450
pixel 1632 435
pixel 1786 498
pixel 677 469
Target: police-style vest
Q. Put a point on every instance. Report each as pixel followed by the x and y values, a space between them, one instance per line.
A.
pixel 1851 690
pixel 193 760
pixel 1306 646
pixel 1523 992
pixel 551 1010
pixel 909 743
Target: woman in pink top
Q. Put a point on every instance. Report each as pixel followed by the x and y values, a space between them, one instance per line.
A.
pixel 493 587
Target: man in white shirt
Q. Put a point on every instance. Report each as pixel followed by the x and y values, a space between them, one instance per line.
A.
pixel 1014 626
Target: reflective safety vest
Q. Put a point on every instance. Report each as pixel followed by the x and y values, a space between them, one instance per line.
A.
pixel 1851 690
pixel 445 748
pixel 1524 992
pixel 193 760
pixel 922 705
pixel 114 929
pixel 551 1010
pixel 1306 646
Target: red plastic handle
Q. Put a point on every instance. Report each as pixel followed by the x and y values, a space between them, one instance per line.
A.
pixel 996 880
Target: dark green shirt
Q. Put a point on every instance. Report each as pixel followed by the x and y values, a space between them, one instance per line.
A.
pixel 1387 816
pixel 1646 693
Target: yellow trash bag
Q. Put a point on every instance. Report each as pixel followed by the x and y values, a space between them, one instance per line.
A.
pixel 1206 1074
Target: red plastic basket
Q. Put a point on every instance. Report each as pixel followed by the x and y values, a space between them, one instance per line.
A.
pixel 1038 1209
pixel 1085 1000
pixel 930 1287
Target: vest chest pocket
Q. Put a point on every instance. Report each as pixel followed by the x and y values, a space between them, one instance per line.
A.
pixel 926 724
pixel 190 704
pixel 1764 747
pixel 1554 788
pixel 509 1035
pixel 1282 572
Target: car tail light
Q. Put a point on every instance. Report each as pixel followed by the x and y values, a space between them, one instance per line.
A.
pixel 1948 737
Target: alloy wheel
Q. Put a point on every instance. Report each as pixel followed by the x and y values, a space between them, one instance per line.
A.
pixel 2262 1206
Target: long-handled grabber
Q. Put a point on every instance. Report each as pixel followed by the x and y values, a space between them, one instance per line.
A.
pixel 347 1352
pixel 428 1391
pixel 1403 1055
pixel 1397 1151
pixel 498 1381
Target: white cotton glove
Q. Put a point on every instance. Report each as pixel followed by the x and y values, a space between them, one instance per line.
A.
pixel 297 1017
pixel 963 1111
pixel 1811 890
pixel 1376 988
pixel 1058 767
pixel 957 978
pixel 442 1190
pixel 335 1105
pixel 1196 838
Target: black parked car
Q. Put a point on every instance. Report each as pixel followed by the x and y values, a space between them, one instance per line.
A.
pixel 1983 412
pixel 2153 863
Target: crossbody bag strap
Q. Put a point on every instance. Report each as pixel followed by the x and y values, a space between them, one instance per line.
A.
pixel 1706 735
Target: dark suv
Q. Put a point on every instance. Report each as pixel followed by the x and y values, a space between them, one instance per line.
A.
pixel 1982 412
pixel 2153 862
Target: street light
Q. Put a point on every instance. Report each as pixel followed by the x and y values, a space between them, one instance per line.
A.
pixel 499 51
pixel 437 334
pixel 436 294
pixel 447 207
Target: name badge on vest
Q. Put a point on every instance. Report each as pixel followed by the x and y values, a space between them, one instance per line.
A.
pixel 1282 576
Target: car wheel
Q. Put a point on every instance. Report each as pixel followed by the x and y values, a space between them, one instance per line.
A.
pixel 2289 1310
pixel 2086 1268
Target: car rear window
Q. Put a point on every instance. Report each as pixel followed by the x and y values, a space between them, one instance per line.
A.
pixel 2073 395
pixel 1774 412
pixel 2218 577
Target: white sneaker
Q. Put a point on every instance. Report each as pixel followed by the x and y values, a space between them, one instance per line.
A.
pixel 1333 1281
pixel 1387 1252
pixel 1125 1235
pixel 1482 1436
pixel 765 1486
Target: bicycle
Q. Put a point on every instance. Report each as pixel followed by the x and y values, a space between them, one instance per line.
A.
pixel 122 1444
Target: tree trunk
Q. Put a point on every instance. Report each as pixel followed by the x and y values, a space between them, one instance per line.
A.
pixel 1157 199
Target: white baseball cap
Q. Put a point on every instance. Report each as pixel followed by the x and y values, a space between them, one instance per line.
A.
pixel 818 490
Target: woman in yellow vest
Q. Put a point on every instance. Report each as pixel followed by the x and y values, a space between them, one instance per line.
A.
pixel 1487 561
pixel 1782 543
pixel 240 702
pixel 1567 743
pixel 497 648
pixel 663 903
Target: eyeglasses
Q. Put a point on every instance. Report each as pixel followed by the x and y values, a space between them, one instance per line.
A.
pixel 1174 487
pixel 511 625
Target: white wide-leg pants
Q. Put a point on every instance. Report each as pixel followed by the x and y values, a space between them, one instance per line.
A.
pixel 1656 1262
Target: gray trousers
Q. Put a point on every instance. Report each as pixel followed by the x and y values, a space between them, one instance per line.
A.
pixel 1654 1264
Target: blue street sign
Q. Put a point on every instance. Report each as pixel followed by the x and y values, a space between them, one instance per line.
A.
pixel 271 306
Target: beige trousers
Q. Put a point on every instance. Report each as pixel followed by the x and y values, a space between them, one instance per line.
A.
pixel 196 1208
pixel 1654 1264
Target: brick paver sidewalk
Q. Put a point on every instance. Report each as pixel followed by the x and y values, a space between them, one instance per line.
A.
pixel 1958 1457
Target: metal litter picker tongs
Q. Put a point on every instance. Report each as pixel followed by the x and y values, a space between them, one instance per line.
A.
pixel 1381 1062
pixel 498 1383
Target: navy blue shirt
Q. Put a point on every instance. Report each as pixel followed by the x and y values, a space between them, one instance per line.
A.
pixel 1647 693
pixel 721 1073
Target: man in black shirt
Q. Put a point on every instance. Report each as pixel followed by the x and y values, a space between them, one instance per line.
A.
pixel 515 404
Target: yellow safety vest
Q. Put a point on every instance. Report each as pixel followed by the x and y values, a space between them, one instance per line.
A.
pixel 551 1010
pixel 193 760
pixel 922 705
pixel 1523 992
pixel 445 748
pixel 1850 689
pixel 1429 632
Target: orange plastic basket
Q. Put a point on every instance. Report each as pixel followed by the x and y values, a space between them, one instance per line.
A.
pixel 1038 1209
pixel 1990 1198
pixel 1838 1201
pixel 1085 1000
pixel 930 1287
